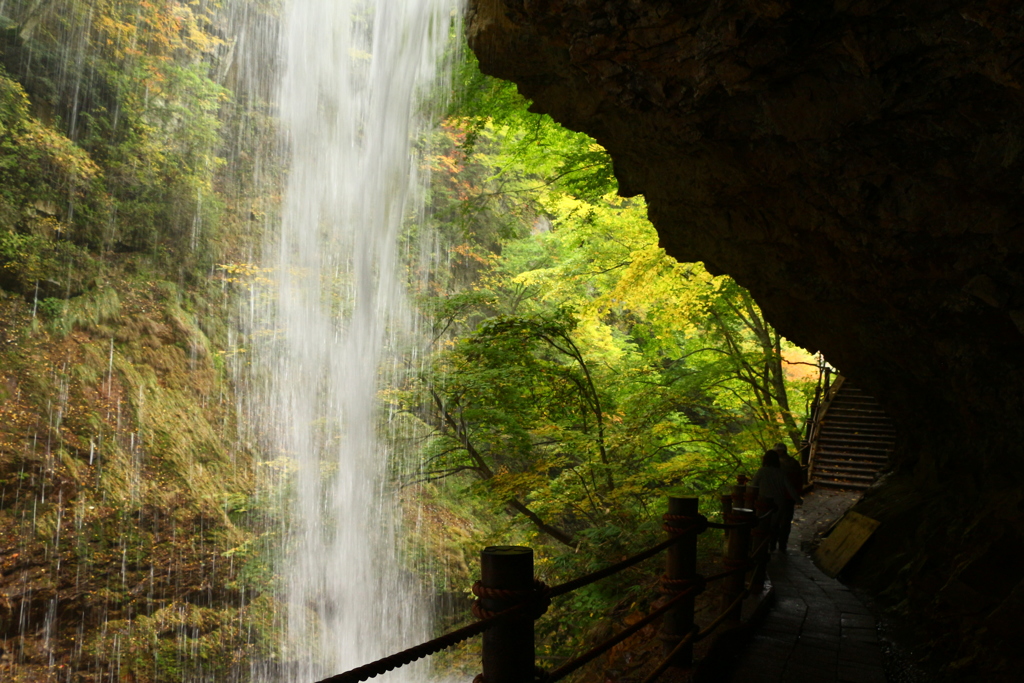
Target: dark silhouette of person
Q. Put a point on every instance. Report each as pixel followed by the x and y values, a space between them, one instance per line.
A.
pixel 774 486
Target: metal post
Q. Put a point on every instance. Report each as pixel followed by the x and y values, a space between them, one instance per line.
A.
pixel 736 557
pixel 681 572
pixel 508 652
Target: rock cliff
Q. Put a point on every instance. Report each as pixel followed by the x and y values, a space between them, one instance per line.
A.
pixel 858 166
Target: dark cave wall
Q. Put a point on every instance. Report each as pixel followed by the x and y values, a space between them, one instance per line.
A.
pixel 859 166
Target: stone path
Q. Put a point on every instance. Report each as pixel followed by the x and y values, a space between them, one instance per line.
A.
pixel 817 631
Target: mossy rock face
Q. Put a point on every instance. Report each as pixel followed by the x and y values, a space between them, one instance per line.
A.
pixel 122 483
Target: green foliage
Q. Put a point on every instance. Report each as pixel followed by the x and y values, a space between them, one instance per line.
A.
pixel 580 372
pixel 38 267
pixel 44 176
pixel 535 141
pixel 145 117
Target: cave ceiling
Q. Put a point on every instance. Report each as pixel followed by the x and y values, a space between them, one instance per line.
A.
pixel 858 165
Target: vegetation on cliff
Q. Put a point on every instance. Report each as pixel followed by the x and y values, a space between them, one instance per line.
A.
pixel 126 486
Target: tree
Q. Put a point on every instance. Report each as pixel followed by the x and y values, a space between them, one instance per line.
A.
pixel 580 368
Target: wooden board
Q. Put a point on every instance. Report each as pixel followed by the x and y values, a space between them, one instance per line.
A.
pixel 844 542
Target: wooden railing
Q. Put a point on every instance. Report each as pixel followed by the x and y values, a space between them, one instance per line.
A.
pixel 821 408
pixel 511 599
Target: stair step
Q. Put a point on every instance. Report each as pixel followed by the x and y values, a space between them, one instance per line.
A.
pixel 849 414
pixel 857 422
pixel 879 454
pixel 853 466
pixel 834 484
pixel 854 443
pixel 859 416
pixel 877 414
pixel 862 466
pixel 857 406
pixel 845 451
pixel 856 435
pixel 844 423
pixel 869 476
pixel 845 457
pixel 855 401
pixel 841 473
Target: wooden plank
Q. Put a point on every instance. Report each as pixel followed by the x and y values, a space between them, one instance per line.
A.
pixel 844 542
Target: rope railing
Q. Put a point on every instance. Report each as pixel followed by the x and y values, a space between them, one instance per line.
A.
pixel 598 650
pixel 586 580
pixel 400 659
pixel 510 599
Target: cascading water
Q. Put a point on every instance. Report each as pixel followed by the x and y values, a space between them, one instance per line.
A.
pixel 355 72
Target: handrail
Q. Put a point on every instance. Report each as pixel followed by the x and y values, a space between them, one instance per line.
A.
pixel 828 396
pixel 598 650
pixel 587 579
pixel 400 659
pixel 531 604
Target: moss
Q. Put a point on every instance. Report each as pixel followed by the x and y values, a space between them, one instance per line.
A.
pixel 120 482
pixel 178 642
pixel 94 312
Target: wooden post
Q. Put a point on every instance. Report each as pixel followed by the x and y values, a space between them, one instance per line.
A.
pixel 508 651
pixel 726 505
pixel 736 556
pixel 726 511
pixel 681 572
pixel 739 492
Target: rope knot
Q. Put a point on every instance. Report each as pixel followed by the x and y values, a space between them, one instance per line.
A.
pixel 536 596
pixel 677 525
pixel 696 583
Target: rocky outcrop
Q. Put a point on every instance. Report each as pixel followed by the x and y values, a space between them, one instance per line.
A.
pixel 859 166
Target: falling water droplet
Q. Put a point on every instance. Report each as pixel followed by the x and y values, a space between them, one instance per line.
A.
pixel 110 369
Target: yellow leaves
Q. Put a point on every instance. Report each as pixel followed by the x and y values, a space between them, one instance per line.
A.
pixel 158 29
pixel 244 273
pixel 64 157
pixel 242 268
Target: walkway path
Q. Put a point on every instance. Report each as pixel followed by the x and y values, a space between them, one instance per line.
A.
pixel 818 631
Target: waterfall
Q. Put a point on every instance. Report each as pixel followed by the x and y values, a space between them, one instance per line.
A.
pixel 351 103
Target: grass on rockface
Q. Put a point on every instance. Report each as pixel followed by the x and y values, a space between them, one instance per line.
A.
pixel 123 490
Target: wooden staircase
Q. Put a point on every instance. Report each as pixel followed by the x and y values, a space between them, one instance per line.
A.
pixel 854 439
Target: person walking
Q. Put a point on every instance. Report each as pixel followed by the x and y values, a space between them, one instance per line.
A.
pixel 795 474
pixel 774 486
